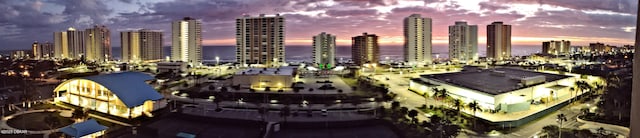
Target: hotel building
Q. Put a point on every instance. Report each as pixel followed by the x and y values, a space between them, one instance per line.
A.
pixel 463 42
pixel 498 41
pixel 556 47
pixel 417 40
pixel 69 44
pixel 260 40
pixel 141 45
pixel 98 44
pixel 324 51
pixel 186 41
pixel 365 49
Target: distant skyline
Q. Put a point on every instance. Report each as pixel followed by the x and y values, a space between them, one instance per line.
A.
pixel 533 21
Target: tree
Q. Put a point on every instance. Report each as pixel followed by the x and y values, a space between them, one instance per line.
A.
pixel 457 103
pixel 395 105
pixel 560 118
pixel 473 106
pixel 52 121
pixel 413 114
pixel 551 130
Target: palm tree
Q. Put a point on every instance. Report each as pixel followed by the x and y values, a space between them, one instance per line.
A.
pixel 457 103
pixel 572 90
pixel 413 114
pixel 560 118
pixel 474 107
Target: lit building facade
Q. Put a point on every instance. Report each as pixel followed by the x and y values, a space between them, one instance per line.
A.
pixel 365 49
pixel 498 41
pixel 324 51
pixel 463 42
pixel 417 40
pixel 42 50
pixel 556 47
pixel 186 41
pixel 142 45
pixel 69 44
pixel 260 40
pixel 125 95
pixel 98 44
pixel 274 78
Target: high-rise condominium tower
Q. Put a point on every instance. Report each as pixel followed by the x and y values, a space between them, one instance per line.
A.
pixel 324 50
pixel 417 40
pixel 98 44
pixel 498 41
pixel 364 49
pixel 186 41
pixel 141 45
pixel 260 40
pixel 463 42
pixel 69 44
pixel 42 50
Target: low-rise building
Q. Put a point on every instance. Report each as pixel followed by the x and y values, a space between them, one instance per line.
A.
pixel 86 129
pixel 174 67
pixel 124 94
pixel 276 78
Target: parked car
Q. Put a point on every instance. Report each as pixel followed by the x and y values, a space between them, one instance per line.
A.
pixel 324 112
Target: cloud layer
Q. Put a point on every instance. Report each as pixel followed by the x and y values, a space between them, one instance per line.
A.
pixel 582 21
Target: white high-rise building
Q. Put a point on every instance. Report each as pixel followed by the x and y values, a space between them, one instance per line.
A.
pixel 142 45
pixel 186 41
pixel 324 51
pixel 69 44
pixel 260 40
pixel 98 44
pixel 463 42
pixel 417 40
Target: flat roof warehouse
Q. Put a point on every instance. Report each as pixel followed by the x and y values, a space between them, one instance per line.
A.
pixel 496 81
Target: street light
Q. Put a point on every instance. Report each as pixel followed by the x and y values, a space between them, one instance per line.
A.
pixel 217 60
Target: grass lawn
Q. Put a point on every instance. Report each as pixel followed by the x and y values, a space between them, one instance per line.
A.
pixel 35 121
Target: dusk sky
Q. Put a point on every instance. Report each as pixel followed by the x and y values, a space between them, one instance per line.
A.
pixel 533 21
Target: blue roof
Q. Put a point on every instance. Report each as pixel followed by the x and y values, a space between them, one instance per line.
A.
pixel 129 87
pixel 83 128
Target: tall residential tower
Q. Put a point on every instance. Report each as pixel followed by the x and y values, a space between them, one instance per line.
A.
pixel 69 44
pixel 417 40
pixel 556 47
pixel 186 41
pixel 260 40
pixel 498 41
pixel 324 50
pixel 142 45
pixel 98 44
pixel 364 49
pixel 463 42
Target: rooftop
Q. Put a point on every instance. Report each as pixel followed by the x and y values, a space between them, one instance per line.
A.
pixel 495 81
pixel 268 71
pixel 129 87
pixel 83 128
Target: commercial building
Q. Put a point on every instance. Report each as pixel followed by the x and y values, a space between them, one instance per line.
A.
pixel 417 40
pixel 505 90
pixel 98 44
pixel 260 40
pixel 125 94
pixel 498 41
pixel 463 42
pixel 600 47
pixel 324 51
pixel 556 47
pixel 172 67
pixel 186 41
pixel 500 88
pixel 141 45
pixel 365 49
pixel 274 78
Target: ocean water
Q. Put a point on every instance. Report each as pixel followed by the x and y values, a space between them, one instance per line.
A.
pixel 303 53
